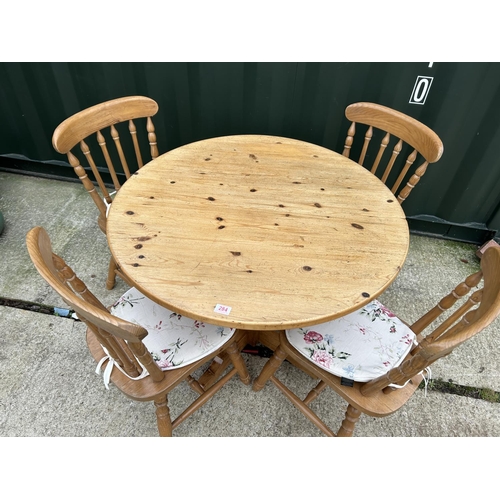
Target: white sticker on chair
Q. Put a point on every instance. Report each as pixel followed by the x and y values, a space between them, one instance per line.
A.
pixel 219 308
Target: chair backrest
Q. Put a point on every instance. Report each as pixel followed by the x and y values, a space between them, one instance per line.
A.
pixel 122 339
pixel 460 324
pixel 81 126
pixel 406 129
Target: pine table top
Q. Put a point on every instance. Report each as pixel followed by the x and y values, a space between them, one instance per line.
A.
pixel 257 232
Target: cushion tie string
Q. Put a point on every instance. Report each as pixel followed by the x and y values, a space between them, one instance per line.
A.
pixel 109 368
pixel 426 374
pixel 108 205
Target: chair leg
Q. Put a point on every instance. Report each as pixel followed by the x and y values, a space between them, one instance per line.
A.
pixel 269 368
pixel 110 282
pixel 214 371
pixel 163 416
pixel 222 361
pixel 351 417
pixel 195 385
pixel 314 393
pixel 235 356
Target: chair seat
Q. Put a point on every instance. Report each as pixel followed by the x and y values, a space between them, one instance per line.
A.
pixel 173 340
pixel 360 346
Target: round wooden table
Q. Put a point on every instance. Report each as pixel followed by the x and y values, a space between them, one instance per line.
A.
pixel 257 232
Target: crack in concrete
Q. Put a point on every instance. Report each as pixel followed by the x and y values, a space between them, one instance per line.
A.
pixel 39 308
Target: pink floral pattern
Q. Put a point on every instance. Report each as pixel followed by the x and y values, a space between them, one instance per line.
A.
pixel 322 358
pixel 312 337
pixel 360 346
pixel 173 340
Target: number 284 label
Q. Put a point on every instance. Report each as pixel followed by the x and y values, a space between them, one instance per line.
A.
pixel 219 308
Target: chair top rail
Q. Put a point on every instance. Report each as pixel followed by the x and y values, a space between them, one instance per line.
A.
pixel 84 123
pixel 413 132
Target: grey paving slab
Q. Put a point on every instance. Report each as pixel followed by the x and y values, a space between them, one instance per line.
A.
pixel 55 392
pixel 69 215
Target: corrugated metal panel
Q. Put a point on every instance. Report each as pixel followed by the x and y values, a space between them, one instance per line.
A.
pixel 300 100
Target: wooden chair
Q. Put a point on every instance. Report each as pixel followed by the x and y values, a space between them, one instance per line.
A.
pixel 80 128
pixel 406 130
pixel 145 349
pixel 375 361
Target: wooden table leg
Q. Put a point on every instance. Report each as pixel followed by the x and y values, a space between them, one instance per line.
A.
pixel 218 365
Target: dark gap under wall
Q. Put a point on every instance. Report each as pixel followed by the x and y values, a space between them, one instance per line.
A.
pixel 424 225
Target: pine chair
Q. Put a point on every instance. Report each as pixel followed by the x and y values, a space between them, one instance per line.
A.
pixel 79 129
pixel 406 130
pixel 144 349
pixel 374 360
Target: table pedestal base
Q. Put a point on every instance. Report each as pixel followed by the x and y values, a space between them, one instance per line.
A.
pixel 269 339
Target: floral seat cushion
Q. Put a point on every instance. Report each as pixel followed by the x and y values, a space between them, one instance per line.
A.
pixel 360 346
pixel 173 340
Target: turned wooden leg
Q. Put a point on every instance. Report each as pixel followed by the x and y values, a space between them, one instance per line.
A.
pixel 238 363
pixel 110 282
pixel 163 417
pixel 269 368
pixel 314 393
pixel 195 385
pixel 351 417
pixel 214 371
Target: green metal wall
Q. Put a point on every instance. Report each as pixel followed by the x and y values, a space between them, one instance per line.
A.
pixel 300 100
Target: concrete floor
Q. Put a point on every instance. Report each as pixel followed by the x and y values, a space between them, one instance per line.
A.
pixel 48 385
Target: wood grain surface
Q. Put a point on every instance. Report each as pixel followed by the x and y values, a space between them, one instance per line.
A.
pixel 283 232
